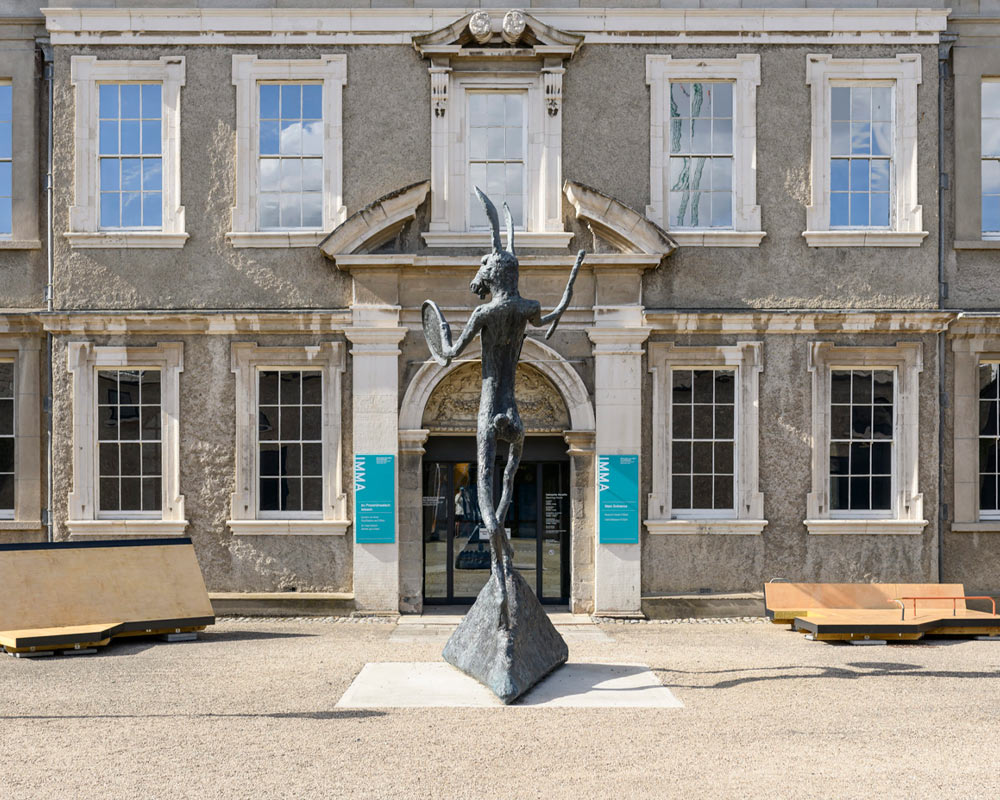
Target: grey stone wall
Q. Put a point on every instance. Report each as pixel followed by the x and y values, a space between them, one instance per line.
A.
pixel 610 151
pixel 605 144
pixel 673 564
pixel 207 473
pixel 386 145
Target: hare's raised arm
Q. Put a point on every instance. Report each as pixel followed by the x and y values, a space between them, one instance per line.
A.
pixel 553 316
pixel 438 333
pixel 472 327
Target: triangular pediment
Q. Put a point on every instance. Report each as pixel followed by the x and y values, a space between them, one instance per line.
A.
pixel 514 31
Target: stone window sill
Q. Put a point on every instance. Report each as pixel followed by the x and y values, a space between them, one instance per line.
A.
pixel 984 526
pixel 125 239
pixel 20 244
pixel 710 238
pixel 275 238
pixel 126 527
pixel 544 239
pixel 976 244
pixel 864 238
pixel 726 527
pixel 20 524
pixel 288 527
pixel 910 527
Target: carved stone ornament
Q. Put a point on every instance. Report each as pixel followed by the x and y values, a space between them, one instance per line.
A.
pixel 481 27
pixel 513 26
pixel 454 404
pixel 523 37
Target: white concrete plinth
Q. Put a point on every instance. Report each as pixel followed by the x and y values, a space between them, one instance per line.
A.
pixel 437 684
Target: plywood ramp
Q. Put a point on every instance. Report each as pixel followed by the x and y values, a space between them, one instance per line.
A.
pixel 62 594
pixel 785 601
pixel 841 611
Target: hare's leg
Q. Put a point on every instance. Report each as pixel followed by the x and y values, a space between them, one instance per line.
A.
pixel 500 557
pixel 513 459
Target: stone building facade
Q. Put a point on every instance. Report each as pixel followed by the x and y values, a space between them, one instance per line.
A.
pixel 217 228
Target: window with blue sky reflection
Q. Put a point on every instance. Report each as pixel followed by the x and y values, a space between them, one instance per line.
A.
pixel 860 156
pixel 6 160
pixel 290 155
pixel 991 158
pixel 130 147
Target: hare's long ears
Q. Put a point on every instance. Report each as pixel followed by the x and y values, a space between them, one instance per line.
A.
pixel 510 228
pixel 494 218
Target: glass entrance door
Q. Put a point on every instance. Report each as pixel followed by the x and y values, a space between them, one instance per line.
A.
pixel 456 546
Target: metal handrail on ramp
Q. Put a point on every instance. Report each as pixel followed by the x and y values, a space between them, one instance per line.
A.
pixel 954 602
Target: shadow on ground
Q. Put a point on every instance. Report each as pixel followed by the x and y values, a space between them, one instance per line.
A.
pixel 336 714
pixel 853 671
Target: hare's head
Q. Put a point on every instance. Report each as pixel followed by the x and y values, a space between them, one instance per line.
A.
pixel 499 268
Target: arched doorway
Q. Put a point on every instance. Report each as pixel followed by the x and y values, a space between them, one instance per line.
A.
pixel 552 537
pixel 456 550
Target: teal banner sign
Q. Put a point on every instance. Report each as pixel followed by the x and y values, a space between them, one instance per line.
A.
pixel 618 499
pixel 374 499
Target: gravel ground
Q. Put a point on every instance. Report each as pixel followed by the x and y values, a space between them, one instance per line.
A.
pixel 248 711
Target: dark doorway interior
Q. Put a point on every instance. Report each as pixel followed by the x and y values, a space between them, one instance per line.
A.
pixel 456 550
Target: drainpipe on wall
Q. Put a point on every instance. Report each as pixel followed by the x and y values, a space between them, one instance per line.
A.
pixel 944 54
pixel 46 47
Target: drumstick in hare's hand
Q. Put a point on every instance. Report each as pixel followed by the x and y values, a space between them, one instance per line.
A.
pixel 567 295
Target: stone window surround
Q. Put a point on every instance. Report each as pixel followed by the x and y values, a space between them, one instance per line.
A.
pixel 748 514
pixel 247 360
pixel 86 73
pixel 971 66
pixel 823 71
pixel 248 70
pixel 906 358
pixel 17 66
pixel 449 155
pixel 969 353
pixel 84 517
pixel 24 352
pixel 744 71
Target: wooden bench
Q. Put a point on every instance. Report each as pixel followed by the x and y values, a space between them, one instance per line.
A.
pixel 890 611
pixel 79 595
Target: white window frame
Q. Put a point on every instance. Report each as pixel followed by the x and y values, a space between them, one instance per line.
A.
pixel 903 72
pixel 18 66
pixel 986 236
pixel 248 360
pixel 86 74
pixel 969 353
pixel 986 515
pixel 906 515
pixel 744 72
pixel 248 72
pixel 85 516
pixel 467 136
pixel 24 352
pixel 543 223
pixel 874 513
pixel 748 515
pixel 102 513
pixel 8 82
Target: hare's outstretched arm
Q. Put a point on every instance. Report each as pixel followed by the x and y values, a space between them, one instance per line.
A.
pixel 472 327
pixel 553 316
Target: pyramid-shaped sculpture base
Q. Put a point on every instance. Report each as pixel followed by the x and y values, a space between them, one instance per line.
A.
pixel 508 661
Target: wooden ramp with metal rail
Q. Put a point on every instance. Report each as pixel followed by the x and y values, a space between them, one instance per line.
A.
pixel 74 596
pixel 878 611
